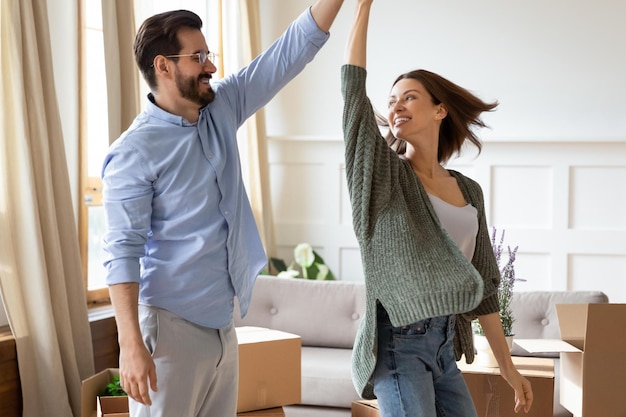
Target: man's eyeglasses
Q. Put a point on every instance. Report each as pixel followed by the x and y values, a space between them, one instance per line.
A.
pixel 201 57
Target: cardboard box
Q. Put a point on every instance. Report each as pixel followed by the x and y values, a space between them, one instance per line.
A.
pixel 112 407
pixel 269 368
pixel 269 375
pixel 365 408
pixel 493 396
pixel 593 358
pixel 271 412
pixel 94 405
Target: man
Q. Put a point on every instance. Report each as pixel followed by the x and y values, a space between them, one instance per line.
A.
pixel 181 239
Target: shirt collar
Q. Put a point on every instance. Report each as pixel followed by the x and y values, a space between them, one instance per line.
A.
pixel 155 111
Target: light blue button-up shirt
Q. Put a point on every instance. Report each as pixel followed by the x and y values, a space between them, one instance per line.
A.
pixel 179 221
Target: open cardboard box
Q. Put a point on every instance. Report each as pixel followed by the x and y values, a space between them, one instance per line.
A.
pixel 593 358
pixel 94 405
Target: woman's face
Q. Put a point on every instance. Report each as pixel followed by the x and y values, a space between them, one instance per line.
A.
pixel 411 110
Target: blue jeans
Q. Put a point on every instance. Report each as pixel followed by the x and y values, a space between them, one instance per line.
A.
pixel 416 373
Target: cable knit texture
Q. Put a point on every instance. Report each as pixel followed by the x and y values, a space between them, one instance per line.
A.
pixel 411 264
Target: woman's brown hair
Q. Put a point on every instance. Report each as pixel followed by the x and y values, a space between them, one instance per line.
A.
pixel 464 110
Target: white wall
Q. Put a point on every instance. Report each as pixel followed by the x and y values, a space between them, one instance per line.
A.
pixel 554 164
pixel 557 69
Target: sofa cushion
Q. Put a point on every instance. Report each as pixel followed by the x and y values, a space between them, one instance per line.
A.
pixel 327 377
pixel 535 314
pixel 323 313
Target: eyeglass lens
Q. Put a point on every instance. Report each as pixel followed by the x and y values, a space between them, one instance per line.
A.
pixel 204 56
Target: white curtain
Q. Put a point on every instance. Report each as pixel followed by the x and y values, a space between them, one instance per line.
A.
pixel 118 28
pixel 40 273
pixel 253 134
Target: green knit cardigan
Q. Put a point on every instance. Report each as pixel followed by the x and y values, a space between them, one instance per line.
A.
pixel 411 264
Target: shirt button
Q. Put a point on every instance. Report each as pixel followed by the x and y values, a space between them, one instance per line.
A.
pixel 545 322
pixel 355 316
pixel 273 311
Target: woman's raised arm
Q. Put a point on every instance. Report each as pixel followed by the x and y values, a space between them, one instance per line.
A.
pixel 357 41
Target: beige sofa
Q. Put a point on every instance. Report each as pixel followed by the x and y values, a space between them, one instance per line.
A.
pixel 326 315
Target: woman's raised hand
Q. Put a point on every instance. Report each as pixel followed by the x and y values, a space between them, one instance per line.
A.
pixel 357 40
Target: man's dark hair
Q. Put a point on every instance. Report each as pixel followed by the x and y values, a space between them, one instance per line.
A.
pixel 158 35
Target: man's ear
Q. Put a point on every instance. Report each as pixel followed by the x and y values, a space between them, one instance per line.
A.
pixel 161 65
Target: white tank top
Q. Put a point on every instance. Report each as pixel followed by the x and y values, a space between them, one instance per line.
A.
pixel 461 223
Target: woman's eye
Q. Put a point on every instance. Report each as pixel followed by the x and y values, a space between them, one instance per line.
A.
pixel 391 104
pixel 409 98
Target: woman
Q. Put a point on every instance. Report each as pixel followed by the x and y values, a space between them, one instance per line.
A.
pixel 427 256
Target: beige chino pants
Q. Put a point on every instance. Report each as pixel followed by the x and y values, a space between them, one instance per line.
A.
pixel 197 367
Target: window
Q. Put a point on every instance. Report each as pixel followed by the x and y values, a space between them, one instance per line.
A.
pixel 94 134
pixel 94 141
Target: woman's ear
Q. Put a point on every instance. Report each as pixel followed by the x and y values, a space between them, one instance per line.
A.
pixel 442 112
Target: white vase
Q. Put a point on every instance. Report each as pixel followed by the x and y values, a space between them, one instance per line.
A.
pixel 484 354
pixel 509 342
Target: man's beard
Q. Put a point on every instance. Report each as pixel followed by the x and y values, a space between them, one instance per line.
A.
pixel 189 89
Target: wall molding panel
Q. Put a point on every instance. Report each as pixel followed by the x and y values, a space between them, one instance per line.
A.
pixel 561 202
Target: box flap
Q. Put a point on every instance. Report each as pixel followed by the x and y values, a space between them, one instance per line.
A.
pixel 248 334
pixel 526 365
pixel 112 405
pixel 606 328
pixel 369 403
pixel 93 386
pixel 599 327
pixel 273 412
pixel 573 323
pixel 545 345
pixel 365 408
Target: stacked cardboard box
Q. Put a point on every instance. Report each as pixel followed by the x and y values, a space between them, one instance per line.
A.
pixel 365 408
pixel 593 364
pixel 269 377
pixel 269 369
pixel 270 412
pixel 491 394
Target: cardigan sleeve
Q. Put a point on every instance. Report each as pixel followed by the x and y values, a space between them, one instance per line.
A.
pixel 370 163
pixel 484 261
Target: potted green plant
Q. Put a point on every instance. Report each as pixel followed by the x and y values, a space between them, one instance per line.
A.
pixel 113 399
pixel 307 264
pixel 505 292
pixel 114 388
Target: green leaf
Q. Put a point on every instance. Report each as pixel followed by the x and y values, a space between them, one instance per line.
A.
pixel 318 260
pixel 278 264
pixel 113 389
pixel 315 271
